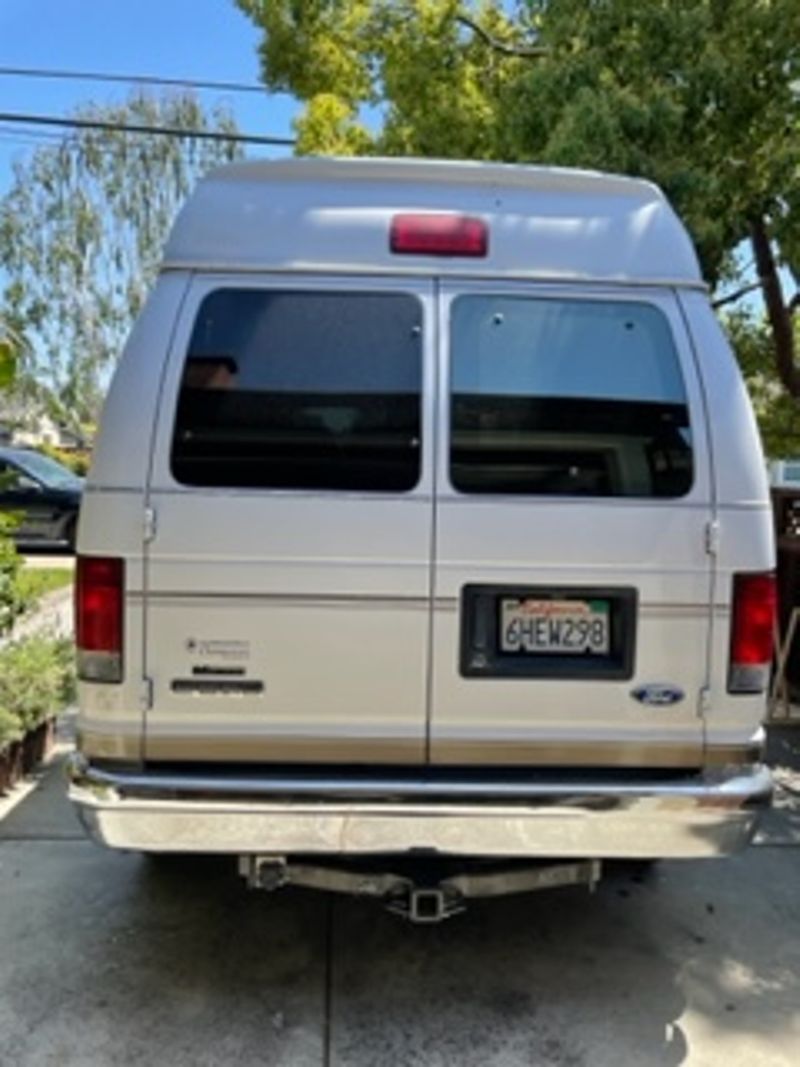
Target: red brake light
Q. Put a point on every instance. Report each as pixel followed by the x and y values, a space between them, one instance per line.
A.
pixel 99 595
pixel 439 235
pixel 752 632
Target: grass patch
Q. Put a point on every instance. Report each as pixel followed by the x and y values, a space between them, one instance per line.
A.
pixel 32 584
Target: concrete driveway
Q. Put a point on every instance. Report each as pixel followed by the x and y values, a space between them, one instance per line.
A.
pixel 113 959
pixel 40 559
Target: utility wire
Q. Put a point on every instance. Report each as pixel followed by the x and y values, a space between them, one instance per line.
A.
pixel 42 136
pixel 43 139
pixel 145 79
pixel 135 127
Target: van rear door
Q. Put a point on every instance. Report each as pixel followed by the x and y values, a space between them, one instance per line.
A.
pixel 288 571
pixel 573 583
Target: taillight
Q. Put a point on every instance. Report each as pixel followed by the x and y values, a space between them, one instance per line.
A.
pixel 438 235
pixel 752 632
pixel 99 597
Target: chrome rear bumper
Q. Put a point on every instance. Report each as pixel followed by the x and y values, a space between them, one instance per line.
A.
pixel 706 815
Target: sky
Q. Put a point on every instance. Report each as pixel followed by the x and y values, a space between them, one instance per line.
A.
pixel 194 39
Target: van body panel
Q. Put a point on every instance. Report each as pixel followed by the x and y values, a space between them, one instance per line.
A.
pixel 745 546
pixel 111 717
pixel 654 547
pixel 121 455
pixel 740 471
pixel 745 541
pixel 112 525
pixel 288 624
pixel 334 215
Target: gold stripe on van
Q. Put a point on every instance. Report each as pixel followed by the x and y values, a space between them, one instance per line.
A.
pixel 588 754
pixel 306 600
pixel 331 750
pixel 110 744
pixel 284 749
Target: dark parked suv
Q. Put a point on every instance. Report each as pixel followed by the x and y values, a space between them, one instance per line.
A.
pixel 43 494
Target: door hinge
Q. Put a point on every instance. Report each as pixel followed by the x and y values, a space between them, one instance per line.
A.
pixel 149 525
pixel 146 694
pixel 712 537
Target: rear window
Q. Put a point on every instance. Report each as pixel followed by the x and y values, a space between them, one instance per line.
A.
pixel 566 398
pixel 301 390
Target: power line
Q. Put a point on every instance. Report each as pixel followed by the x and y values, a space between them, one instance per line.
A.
pixel 25 135
pixel 145 79
pixel 19 132
pixel 30 142
pixel 135 127
pixel 36 138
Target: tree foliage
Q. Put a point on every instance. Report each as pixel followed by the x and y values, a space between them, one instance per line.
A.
pixel 81 232
pixel 7 363
pixel 777 412
pixel 701 96
pixel 695 94
pixel 11 346
pixel 432 83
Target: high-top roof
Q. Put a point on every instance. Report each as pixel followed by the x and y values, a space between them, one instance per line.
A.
pixel 315 214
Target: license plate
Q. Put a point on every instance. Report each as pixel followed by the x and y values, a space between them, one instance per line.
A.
pixel 564 627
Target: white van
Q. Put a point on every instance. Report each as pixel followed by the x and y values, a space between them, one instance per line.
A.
pixel 428 517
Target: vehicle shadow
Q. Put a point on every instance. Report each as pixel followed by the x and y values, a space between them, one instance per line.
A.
pixel 638 973
pixel 560 978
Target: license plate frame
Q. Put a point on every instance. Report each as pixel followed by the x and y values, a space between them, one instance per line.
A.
pixel 485 654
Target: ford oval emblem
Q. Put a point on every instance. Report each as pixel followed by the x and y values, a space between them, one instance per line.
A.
pixel 658 695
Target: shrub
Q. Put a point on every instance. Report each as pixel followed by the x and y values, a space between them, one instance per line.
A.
pixel 32 585
pixel 37 680
pixel 37 674
pixel 10 564
pixel 10 729
pixel 77 461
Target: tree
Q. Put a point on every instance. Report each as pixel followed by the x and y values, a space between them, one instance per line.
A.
pixel 423 68
pixel 81 233
pixel 698 95
pixel 702 97
pixel 7 358
pixel 778 413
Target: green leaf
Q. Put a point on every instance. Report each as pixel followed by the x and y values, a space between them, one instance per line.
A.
pixel 7 364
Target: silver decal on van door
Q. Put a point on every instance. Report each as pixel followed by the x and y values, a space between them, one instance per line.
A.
pixel 219 650
pixel 658 695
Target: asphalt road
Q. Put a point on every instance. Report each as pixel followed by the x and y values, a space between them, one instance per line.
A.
pixel 112 959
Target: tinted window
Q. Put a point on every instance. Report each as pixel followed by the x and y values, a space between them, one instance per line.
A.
pixel 301 390
pixel 568 398
pixel 14 480
pixel 47 471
